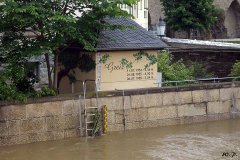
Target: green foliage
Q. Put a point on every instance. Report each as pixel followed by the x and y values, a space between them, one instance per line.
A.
pixel 45 92
pixel 35 27
pixel 9 92
pixel 96 123
pixel 152 59
pixel 235 71
pixel 186 14
pixel 199 71
pixel 179 71
pixel 172 71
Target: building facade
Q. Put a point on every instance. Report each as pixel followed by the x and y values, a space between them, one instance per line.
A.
pixel 139 11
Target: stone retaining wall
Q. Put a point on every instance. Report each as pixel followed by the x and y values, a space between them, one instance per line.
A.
pixel 45 121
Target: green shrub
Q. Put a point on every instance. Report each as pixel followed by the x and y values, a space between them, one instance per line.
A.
pixel 45 92
pixel 235 71
pixel 172 71
pixel 199 71
pixel 179 71
pixel 10 92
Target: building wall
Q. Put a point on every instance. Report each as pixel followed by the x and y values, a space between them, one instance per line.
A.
pixel 139 11
pixel 53 120
pixel 112 75
pixel 231 10
pixel 218 63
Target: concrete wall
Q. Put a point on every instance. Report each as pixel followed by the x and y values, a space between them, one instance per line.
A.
pixel 45 121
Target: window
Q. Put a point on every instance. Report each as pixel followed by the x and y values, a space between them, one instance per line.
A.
pixel 145 14
pixel 140 4
pixel 146 4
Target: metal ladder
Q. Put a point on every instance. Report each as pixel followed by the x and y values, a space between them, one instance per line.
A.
pixel 89 111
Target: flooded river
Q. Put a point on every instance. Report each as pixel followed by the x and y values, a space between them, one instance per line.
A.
pixel 205 141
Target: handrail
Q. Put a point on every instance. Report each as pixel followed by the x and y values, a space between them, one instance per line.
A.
pixel 200 80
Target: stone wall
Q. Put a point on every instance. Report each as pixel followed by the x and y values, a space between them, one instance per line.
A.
pixel 29 123
pixel 171 108
pixel 55 120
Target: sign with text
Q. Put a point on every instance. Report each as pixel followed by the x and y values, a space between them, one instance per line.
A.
pixel 116 76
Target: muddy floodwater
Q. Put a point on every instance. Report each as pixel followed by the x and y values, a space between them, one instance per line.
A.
pixel 204 141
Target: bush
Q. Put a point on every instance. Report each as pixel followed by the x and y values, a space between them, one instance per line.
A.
pixel 235 71
pixel 172 71
pixel 178 71
pixel 199 71
pixel 9 92
pixel 45 92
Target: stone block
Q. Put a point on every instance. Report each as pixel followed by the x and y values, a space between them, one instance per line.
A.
pixel 23 139
pixel 55 123
pixel 14 127
pixel 32 125
pixel 218 107
pixel 170 98
pixel 213 95
pixel 54 135
pixel 160 123
pixel 238 104
pixel 226 94
pixel 36 137
pixel 193 119
pixel 119 116
pixel 71 107
pixel 127 102
pixel 115 127
pixel 215 117
pixel 8 140
pixel 3 129
pixel 16 112
pixel 236 92
pixel 112 103
pixel 71 133
pixel 134 125
pixel 137 115
pixel 199 96
pixel 191 110
pixel 111 117
pixel 184 97
pixel 3 113
pixel 35 110
pixel 154 100
pixel 53 108
pixel 71 122
pixel 162 112
pixel 138 101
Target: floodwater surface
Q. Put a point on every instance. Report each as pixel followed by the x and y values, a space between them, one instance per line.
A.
pixel 205 141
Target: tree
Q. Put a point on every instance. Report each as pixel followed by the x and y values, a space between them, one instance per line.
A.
pixel 44 27
pixel 184 15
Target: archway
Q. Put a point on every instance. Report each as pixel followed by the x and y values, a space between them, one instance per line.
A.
pixel 232 20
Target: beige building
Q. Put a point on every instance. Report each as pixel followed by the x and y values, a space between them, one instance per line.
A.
pixel 231 22
pixel 119 44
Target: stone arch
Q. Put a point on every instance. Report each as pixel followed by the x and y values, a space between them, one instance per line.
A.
pixel 232 20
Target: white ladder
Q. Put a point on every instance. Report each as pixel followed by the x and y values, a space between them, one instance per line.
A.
pixel 89 111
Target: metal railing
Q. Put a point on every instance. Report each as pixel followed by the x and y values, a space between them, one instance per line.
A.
pixel 201 80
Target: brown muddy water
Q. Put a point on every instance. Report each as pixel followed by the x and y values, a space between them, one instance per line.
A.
pixel 204 141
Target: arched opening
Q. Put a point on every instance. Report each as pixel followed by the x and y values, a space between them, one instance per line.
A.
pixel 232 21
